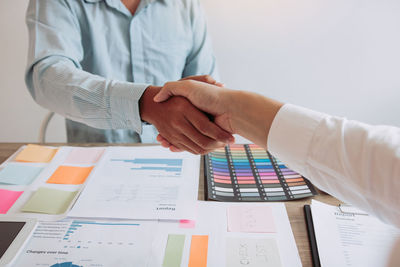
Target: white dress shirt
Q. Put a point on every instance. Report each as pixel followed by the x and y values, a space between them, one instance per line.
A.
pixel 355 162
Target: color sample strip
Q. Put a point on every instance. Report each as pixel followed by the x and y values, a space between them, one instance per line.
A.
pixel 70 175
pixel 198 251
pixel 7 199
pixel 19 174
pixel 36 153
pixel 49 201
pixel 84 155
pixel 174 251
pixel 249 173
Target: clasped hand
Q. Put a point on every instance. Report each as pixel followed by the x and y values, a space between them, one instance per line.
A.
pixel 181 125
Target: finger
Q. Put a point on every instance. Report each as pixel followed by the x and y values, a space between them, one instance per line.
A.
pixel 185 144
pixel 169 89
pixel 201 78
pixel 164 142
pixel 208 128
pixel 220 84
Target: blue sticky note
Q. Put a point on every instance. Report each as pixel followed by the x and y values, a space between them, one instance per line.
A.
pixel 19 174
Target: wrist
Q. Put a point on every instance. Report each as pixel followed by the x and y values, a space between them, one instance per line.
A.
pixel 147 105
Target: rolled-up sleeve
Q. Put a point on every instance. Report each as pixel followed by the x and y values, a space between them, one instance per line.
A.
pixel 57 82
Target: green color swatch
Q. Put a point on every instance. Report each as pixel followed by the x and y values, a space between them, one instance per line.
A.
pixel 50 201
pixel 174 251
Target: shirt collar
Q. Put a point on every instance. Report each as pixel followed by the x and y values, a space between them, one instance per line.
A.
pixel 117 4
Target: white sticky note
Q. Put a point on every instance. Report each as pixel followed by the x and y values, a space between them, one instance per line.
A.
pixel 252 252
pixel 250 219
pixel 84 155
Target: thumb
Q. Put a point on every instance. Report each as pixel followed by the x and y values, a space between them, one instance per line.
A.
pixel 163 95
pixel 170 89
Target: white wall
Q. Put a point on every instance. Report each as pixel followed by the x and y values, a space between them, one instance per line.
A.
pixel 337 56
pixel 20 116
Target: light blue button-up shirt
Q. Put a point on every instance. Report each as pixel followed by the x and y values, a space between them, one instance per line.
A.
pixel 91 60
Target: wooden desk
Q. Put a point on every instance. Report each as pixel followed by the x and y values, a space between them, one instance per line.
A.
pixel 294 208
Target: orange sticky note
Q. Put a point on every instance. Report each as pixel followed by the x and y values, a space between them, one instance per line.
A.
pixel 198 251
pixel 36 153
pixel 70 175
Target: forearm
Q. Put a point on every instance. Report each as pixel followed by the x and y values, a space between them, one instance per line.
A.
pixel 355 162
pixel 78 95
pixel 252 115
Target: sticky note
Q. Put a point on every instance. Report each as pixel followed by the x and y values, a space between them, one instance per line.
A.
pixel 174 250
pixel 7 199
pixel 19 174
pixel 70 175
pixel 252 252
pixel 36 153
pixel 187 224
pixel 250 219
pixel 50 201
pixel 82 155
pixel 198 251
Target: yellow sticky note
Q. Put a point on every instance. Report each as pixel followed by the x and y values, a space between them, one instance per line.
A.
pixel 50 201
pixel 70 175
pixel 198 251
pixel 36 153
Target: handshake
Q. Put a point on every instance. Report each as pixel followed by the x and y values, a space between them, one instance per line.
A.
pixel 178 111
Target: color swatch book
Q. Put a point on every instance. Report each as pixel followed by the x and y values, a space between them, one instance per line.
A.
pixel 249 173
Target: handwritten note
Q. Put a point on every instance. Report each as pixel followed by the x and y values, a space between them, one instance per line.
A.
pixel 36 153
pixel 252 252
pixel 7 199
pixel 70 175
pixel 250 219
pixel 82 155
pixel 19 174
pixel 49 201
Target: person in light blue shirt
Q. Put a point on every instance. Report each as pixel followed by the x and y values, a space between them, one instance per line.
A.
pixel 100 62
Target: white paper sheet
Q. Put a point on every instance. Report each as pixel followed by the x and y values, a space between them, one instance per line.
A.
pixel 212 220
pixel 346 239
pixel 141 183
pixel 88 243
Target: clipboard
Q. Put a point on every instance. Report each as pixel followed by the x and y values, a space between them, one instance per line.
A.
pixel 344 208
pixel 311 236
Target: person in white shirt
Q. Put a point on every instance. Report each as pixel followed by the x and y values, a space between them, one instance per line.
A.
pixel 353 161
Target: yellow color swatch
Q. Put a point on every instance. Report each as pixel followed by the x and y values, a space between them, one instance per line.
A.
pixel 36 153
pixel 198 251
pixel 70 175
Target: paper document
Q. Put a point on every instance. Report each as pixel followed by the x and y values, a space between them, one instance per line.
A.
pixel 348 239
pixel 141 183
pixel 88 243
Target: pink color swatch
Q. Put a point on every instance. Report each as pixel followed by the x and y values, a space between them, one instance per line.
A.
pixel 7 199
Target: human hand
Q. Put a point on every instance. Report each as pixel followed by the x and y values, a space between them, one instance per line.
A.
pixel 204 78
pixel 206 97
pixel 183 125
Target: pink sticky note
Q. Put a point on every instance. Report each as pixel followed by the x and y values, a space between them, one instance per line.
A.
pixel 7 199
pixel 84 155
pixel 187 224
pixel 250 219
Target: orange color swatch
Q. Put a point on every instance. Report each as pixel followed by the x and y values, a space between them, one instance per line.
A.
pixel 198 251
pixel 36 153
pixel 70 175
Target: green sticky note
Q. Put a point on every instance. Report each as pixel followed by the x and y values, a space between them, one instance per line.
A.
pixel 174 251
pixel 19 174
pixel 49 201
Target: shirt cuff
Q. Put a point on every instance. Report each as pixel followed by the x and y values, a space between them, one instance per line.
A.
pixel 124 105
pixel 291 134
